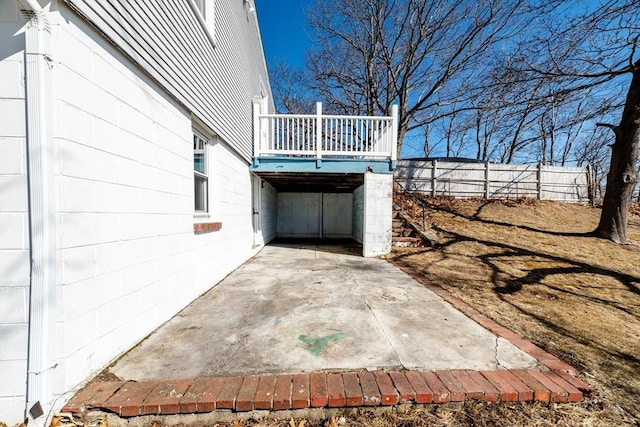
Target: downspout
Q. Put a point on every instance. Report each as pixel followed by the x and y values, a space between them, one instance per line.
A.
pixel 42 246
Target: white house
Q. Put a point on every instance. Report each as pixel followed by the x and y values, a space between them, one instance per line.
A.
pixel 137 169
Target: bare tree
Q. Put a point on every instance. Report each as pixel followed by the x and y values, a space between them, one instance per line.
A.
pixel 290 91
pixel 592 150
pixel 622 177
pixel 421 54
pixel 585 45
pixel 516 80
pixel 566 118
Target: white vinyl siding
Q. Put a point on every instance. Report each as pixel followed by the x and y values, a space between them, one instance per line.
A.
pixel 166 39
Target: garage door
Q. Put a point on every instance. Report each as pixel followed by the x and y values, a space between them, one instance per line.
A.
pixel 315 215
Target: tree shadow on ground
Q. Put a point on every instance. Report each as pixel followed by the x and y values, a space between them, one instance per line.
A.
pixel 476 216
pixel 511 282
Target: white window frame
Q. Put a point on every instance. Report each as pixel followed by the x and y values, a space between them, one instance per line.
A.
pixel 205 11
pixel 201 175
pixel 201 5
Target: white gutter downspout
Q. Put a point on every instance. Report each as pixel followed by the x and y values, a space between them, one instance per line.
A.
pixel 40 164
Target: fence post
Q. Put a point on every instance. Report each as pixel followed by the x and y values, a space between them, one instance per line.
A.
pixel 434 176
pixel 487 183
pixel 318 134
pixel 539 177
pixel 591 187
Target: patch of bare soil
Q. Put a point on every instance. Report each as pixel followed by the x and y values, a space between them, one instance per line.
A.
pixel 531 266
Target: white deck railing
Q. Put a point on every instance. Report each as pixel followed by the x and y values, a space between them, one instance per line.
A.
pixel 318 135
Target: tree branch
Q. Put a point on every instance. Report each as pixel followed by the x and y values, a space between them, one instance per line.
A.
pixel 614 128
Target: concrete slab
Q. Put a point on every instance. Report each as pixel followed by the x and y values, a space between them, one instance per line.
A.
pixel 305 307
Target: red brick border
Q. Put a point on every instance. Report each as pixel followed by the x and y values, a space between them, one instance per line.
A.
pixel 206 227
pixel 346 389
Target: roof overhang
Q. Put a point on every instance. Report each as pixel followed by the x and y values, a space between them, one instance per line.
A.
pixel 313 182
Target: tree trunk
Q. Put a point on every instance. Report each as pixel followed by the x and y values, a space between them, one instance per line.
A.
pixel 622 175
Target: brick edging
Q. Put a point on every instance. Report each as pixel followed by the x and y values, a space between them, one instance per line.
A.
pixel 325 390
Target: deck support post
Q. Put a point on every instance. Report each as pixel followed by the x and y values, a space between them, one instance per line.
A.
pixel 318 134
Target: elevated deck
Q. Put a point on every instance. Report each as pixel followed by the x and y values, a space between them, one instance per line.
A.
pixel 332 174
pixel 318 143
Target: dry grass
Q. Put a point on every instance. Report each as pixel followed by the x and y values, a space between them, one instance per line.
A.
pixel 529 266
pixel 471 414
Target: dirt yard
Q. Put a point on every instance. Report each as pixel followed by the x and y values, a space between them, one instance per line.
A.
pixel 529 266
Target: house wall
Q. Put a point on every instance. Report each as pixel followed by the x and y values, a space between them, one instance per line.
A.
pixel 130 259
pixel 336 215
pixel 14 220
pixel 269 212
pixel 299 215
pixel 214 82
pixel 127 255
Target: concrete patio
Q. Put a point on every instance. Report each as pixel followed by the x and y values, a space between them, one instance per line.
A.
pixel 314 309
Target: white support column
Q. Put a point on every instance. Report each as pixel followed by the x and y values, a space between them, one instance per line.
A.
pixel 319 132
pixel 378 206
pixel 394 134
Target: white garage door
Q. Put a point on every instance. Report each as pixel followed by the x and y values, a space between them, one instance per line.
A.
pixel 315 215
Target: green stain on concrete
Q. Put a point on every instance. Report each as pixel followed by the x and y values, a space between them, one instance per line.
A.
pixel 317 344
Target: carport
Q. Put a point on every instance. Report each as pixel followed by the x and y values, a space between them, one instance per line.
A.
pixel 324 177
pixel 315 205
pixel 303 205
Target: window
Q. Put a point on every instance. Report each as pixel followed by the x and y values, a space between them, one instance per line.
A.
pixel 205 12
pixel 201 174
pixel 201 7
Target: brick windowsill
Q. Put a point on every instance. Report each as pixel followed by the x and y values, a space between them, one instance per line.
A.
pixel 206 227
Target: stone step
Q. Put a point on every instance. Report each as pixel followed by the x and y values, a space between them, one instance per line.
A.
pixel 405 241
pixel 408 239
pixel 402 232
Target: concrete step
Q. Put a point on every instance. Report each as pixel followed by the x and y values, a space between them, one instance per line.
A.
pixel 406 241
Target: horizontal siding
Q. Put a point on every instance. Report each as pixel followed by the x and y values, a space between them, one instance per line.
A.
pixel 165 38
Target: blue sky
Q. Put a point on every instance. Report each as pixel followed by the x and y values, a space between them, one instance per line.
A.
pixel 283 28
pixel 286 37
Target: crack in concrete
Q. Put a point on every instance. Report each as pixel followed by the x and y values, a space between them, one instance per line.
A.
pixel 383 332
pixel 497 359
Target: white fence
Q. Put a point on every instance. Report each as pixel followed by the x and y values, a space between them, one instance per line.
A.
pixel 318 135
pixel 494 180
